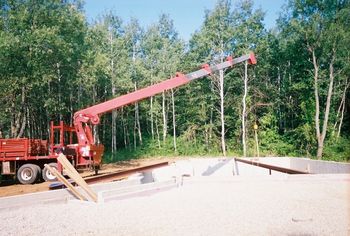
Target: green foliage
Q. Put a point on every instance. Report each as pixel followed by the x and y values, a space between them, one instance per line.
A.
pixel 337 149
pixel 150 148
pixel 272 143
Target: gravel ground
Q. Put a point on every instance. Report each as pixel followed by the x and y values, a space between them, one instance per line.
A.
pixel 202 206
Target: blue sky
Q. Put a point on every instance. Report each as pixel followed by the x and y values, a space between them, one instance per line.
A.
pixel 188 15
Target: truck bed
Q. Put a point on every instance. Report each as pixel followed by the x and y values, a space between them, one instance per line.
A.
pixel 22 148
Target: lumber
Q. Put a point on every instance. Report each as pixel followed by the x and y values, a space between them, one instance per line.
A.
pixel 65 182
pixel 72 173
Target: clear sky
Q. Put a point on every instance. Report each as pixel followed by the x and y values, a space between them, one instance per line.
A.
pixel 188 15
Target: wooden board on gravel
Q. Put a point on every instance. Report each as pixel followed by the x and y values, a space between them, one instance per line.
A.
pixel 11 188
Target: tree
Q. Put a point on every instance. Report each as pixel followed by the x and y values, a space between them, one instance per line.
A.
pixel 322 27
pixel 133 37
pixel 214 41
pixel 162 52
pixel 42 44
pixel 249 34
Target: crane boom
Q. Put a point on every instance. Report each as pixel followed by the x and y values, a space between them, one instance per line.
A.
pixel 92 114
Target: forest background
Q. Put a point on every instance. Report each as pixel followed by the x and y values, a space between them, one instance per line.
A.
pixel 294 102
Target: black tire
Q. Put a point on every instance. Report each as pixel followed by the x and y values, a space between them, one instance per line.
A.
pixel 28 174
pixel 39 172
pixel 46 174
pixel 96 169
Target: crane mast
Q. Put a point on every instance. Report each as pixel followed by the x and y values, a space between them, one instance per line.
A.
pixel 91 115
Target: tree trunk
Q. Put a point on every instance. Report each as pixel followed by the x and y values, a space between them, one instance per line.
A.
pixel 29 124
pixel 18 121
pixel 317 106
pixel 124 128
pixel 222 114
pixel 328 103
pixel 127 130
pixel 206 136
pixel 23 124
pixel 114 125
pixel 134 133
pixel 59 76
pixel 152 120
pixel 157 131
pixel 321 136
pixel 341 119
pixel 211 128
pixel 341 109
pixel 174 120
pixel 95 127
pixel 137 119
pixel 165 125
pixel 114 112
pixel 244 109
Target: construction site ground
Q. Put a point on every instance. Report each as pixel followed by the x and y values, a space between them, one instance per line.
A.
pixel 12 188
pixel 198 196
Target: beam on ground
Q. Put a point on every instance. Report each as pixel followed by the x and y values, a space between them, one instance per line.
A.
pixel 271 167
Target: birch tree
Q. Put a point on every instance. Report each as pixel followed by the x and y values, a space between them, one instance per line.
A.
pixel 215 38
pixel 249 34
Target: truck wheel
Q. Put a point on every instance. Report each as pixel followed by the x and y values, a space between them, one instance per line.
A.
pixel 27 174
pixel 39 172
pixel 96 169
pixel 47 175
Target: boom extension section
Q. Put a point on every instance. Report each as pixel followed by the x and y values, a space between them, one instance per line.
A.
pixel 91 114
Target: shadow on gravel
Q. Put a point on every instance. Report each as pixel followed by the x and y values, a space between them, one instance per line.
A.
pixel 213 169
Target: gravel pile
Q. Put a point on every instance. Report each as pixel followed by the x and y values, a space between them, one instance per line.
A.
pixel 202 206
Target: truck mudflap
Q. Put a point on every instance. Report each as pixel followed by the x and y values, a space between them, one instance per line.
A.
pixel 8 168
pixel 97 153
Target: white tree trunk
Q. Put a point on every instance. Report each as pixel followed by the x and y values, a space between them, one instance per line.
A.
pixel 165 125
pixel 244 109
pixel 321 136
pixel 114 112
pixel 95 127
pixel 341 110
pixel 114 125
pixel 317 106
pixel 157 131
pixel 137 119
pixel 124 128
pixel 222 114
pixel 174 120
pixel 59 76
pixel 152 119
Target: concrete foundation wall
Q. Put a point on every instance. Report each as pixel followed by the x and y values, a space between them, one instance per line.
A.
pixel 308 165
pixel 319 167
pixel 228 167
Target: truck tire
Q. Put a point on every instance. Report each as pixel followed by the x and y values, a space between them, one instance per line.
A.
pixel 28 174
pixel 47 175
pixel 39 172
pixel 96 169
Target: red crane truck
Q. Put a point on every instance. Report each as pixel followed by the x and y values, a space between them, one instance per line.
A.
pixel 25 158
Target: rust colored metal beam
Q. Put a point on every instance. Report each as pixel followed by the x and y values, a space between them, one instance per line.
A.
pixel 112 176
pixel 271 167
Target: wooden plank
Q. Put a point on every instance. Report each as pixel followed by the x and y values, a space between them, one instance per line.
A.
pixel 72 172
pixel 65 182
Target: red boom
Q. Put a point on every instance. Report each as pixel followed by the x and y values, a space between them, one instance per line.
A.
pixel 91 114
